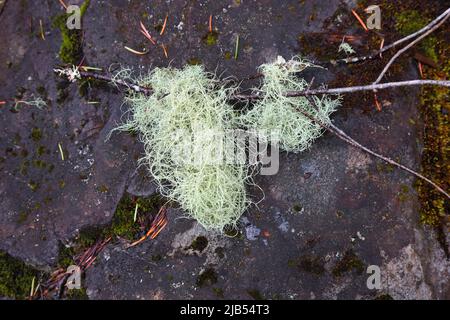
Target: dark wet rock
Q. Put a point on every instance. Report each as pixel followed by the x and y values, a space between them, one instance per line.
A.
pixel 141 184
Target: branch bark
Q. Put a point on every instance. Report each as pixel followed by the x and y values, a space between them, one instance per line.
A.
pixel 308 92
pixel 394 44
pixel 133 86
pixel 380 86
pixel 341 134
pixel 409 46
pixel 346 138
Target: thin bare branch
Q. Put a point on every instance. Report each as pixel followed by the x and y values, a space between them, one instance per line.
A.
pixel 308 92
pixel 394 44
pixel 380 86
pixel 345 137
pixel 123 83
pixel 409 46
pixel 341 134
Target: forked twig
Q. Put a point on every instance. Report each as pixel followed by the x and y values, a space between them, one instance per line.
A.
pixel 409 46
pixel 133 86
pixel 422 33
pixel 341 134
pixel 346 138
pixel 308 92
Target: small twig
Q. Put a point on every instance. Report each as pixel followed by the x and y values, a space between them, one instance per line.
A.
pixel 145 32
pixel 420 69
pixel 409 46
pixel 308 92
pixel 310 83
pixel 345 137
pixel 63 4
pixel 61 152
pixel 166 54
pixel 380 86
pixel 354 143
pixel 41 28
pixel 156 226
pixel 381 47
pixel 135 212
pixel 32 288
pixel 396 43
pixel 377 103
pixel 141 53
pixel 133 86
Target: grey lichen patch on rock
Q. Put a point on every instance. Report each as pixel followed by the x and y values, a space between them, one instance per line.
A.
pixel 197 241
pixel 403 276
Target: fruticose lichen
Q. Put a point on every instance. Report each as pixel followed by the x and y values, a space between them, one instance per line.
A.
pixel 281 114
pixel 184 123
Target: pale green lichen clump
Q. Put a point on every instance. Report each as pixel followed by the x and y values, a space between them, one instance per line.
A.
pixel 185 103
pixel 277 113
pixel 175 125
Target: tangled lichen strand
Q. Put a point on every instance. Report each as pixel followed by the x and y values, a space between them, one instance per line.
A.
pixel 281 114
pixel 187 105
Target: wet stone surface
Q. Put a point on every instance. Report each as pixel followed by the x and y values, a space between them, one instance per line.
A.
pixel 325 217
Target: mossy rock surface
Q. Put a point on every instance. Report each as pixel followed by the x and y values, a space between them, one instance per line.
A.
pixel 71 49
pixel 16 277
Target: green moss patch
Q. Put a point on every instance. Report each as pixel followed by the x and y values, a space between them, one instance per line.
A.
pixel 349 262
pixel 435 110
pixel 77 294
pixel 210 39
pixel 71 49
pixel 122 225
pixel 410 21
pixel 207 278
pixel 65 256
pixel 15 277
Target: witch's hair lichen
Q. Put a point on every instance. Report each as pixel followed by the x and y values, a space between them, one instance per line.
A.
pixel 278 113
pixel 347 48
pixel 183 101
pixel 190 102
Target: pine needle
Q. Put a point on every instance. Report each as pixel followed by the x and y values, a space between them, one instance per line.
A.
pixel 164 25
pixel 61 152
pixel 236 49
pixel 135 51
pixel 41 28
